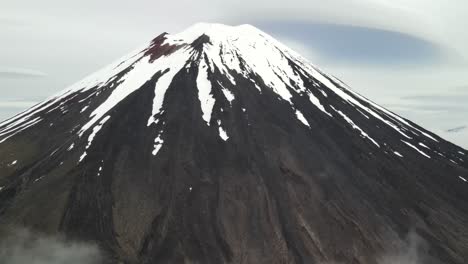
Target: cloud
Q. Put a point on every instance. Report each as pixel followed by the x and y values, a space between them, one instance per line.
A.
pixel 413 251
pixel 457 129
pixel 13 23
pixel 360 45
pixel 20 73
pixel 437 21
pixel 19 246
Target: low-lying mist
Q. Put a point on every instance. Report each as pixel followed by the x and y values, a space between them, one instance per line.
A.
pixel 22 246
pixel 413 251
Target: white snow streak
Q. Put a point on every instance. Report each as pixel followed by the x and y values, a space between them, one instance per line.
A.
pixel 18 128
pixel 228 94
pixel 158 142
pixel 38 179
pixel 93 134
pixel 173 64
pixel 396 117
pixel 415 148
pixel 463 179
pixel 95 80
pixel 314 100
pixel 422 145
pixel 363 134
pixel 223 134
pixel 84 109
pixel 71 146
pixel 259 53
pixel 398 154
pixel 204 91
pixel 349 98
pixel 82 157
pixel 142 71
pixel 323 93
pixel 301 118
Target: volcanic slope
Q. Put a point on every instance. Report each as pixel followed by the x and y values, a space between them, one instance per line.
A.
pixel 221 145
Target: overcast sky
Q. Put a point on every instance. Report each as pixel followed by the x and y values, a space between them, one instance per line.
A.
pixel 409 55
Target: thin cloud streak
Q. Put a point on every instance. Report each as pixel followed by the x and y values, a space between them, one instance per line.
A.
pixel 20 73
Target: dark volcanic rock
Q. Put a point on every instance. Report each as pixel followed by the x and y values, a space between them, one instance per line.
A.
pixel 220 145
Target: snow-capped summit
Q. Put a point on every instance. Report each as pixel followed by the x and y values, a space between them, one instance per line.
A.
pixel 219 144
pixel 218 32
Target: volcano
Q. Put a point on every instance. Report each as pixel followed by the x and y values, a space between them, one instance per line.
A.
pixel 221 145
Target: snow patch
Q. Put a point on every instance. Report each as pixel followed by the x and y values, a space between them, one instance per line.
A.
pixel 461 178
pixel 143 70
pixel 325 81
pixel 229 96
pixel 158 142
pixel 84 109
pixel 415 148
pixel 323 93
pixel 82 157
pixel 204 91
pixel 93 134
pixel 53 152
pixel 398 154
pixel 171 65
pixel 17 127
pixel 392 115
pixel 95 80
pixel 422 145
pixel 353 125
pixel 38 179
pixel 71 147
pixel 223 134
pixel 314 100
pixel 301 118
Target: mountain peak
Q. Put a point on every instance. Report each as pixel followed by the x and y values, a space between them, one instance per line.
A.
pixel 222 35
pixel 221 145
pixel 217 30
